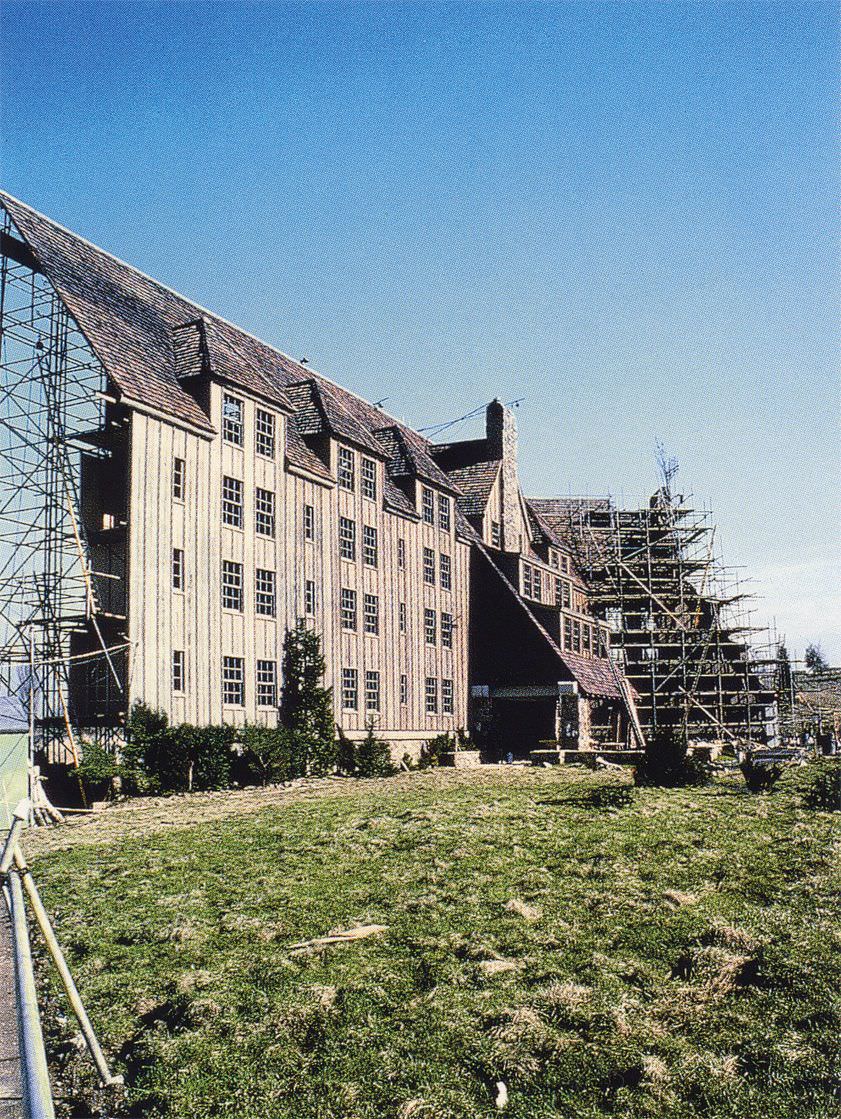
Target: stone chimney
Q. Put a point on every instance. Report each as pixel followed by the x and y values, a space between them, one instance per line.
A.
pixel 501 434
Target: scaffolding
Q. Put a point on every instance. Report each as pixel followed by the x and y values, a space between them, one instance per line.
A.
pixel 56 632
pixel 678 619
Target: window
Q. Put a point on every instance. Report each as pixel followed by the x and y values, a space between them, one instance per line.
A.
pixel 369 546
pixel 348 608
pixel 496 535
pixel 309 596
pixel 231 585
pixel 431 695
pixel 443 513
pixel 567 633
pixel 554 560
pixel 369 479
pixel 429 626
pixel 350 689
pixel 586 636
pixel 347 538
pixel 179 475
pixel 429 566
pixel 566 595
pixel 178 670
pixel 446 572
pixel 428 506
pixel 233 681
pixel 264 512
pixel 566 564
pixel 347 469
pixel 178 569
pixel 264 592
pixel 401 553
pixel 266 684
pixel 576 637
pixel 372 691
pixel 447 697
pixel 371 614
pixel 232 419
pixel 232 502
pixel 446 630
pixel 603 643
pixel 527 588
pixel 537 583
pixel 404 689
pixel 559 594
pixel 309 522
pixel 402 615
pixel 264 434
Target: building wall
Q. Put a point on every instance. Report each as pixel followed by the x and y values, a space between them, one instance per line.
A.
pixel 192 620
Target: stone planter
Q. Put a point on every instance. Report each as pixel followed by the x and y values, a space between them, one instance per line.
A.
pixel 461 759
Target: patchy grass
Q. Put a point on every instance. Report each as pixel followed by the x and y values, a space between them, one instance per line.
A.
pixel 677 955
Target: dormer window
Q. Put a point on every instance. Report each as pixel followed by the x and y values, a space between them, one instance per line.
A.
pixel 232 425
pixel 428 506
pixel 347 469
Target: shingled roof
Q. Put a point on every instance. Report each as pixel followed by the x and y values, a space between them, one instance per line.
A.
pixel 475 483
pixel 151 341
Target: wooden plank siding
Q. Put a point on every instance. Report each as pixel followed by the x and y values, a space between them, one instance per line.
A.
pixel 162 620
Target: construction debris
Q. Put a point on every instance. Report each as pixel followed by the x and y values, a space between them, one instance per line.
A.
pixel 342 936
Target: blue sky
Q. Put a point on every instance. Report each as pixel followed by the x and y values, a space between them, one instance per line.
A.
pixel 623 213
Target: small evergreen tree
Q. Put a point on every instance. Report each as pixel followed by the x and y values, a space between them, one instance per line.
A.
pixel 346 756
pixel 307 710
pixel 814 659
pixel 667 761
pixel 373 756
pixel 267 753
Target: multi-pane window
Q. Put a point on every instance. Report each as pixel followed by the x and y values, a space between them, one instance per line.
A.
pixel 178 569
pixel 232 502
pixel 347 469
pixel 567 633
pixel 309 522
pixel 369 478
pixel 429 626
pixel 232 426
pixel 350 689
pixel 179 475
pixel 348 608
pixel 178 670
pixel 264 592
pixel 309 596
pixel 443 512
pixel 446 572
pixel 554 559
pixel 587 638
pixel 371 614
pixel 428 506
pixel 231 585
pixel 431 695
pixel 428 566
pixel 347 538
pixel 401 553
pixel 537 584
pixel 496 535
pixel 576 637
pixel 264 512
pixel 566 594
pixel 372 691
pixel 527 585
pixel 404 689
pixel 559 591
pixel 446 630
pixel 447 697
pixel 370 550
pixel 264 433
pixel 401 612
pixel 233 681
pixel 266 683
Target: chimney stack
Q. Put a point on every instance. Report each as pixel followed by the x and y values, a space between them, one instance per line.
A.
pixel 501 434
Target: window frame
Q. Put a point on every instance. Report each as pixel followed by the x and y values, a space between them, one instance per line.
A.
pixel 350 686
pixel 373 693
pixel 348 618
pixel 233 513
pixel 429 566
pixel 445 564
pixel 233 428
pixel 177 569
pixel 179 674
pixel 264 512
pixel 430 626
pixel 179 479
pixel 371 614
pixel 370 546
pixel 265 433
pixel 269 682
pixel 233 665
pixel 430 692
pixel 233 586
pixel 368 478
pixel 346 468
pixel 347 539
pixel 265 596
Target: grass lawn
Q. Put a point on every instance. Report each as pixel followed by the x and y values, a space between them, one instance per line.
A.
pixel 676 956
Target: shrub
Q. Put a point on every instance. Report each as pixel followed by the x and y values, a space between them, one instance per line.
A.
pixel 97 770
pixel 346 754
pixel 760 776
pixel 432 750
pixel 823 785
pixel 266 754
pixel 373 756
pixel 667 762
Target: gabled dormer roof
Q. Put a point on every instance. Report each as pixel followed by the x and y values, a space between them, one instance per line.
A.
pixel 407 455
